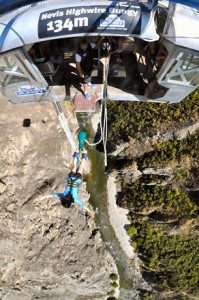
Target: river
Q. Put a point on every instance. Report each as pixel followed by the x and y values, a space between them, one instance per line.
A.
pixel 97 187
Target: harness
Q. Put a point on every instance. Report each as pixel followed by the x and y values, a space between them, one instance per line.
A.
pixel 73 183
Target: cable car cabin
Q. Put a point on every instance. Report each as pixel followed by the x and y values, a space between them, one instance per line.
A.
pixel 158 58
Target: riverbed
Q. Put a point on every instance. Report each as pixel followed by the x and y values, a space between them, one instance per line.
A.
pixel 130 280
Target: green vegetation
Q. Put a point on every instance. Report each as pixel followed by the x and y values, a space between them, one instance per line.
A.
pixel 164 217
pixel 173 260
pixel 169 253
pixel 172 202
pixel 128 120
pixel 147 295
pixel 174 150
pixel 113 277
pixel 186 175
pixel 114 284
pixel 132 231
pixel 111 293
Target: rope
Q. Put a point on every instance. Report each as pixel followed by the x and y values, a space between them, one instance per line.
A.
pixel 107 60
pixel 104 127
pixel 101 130
pixel 105 137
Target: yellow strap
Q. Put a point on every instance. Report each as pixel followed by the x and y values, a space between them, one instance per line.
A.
pixel 73 184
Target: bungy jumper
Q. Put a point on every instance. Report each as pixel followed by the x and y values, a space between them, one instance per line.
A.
pixel 74 180
pixel 159 61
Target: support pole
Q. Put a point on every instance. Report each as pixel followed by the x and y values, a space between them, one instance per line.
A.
pixel 64 124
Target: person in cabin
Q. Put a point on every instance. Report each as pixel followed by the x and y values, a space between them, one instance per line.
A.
pixel 84 63
pixel 116 44
pixel 70 194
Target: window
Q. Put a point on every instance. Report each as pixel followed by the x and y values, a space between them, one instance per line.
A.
pixel 184 70
pixel 10 71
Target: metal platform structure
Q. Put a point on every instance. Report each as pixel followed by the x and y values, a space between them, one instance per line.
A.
pixel 159 61
pixel 164 56
pixel 81 104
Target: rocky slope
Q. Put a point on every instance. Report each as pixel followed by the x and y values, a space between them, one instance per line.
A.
pixel 46 250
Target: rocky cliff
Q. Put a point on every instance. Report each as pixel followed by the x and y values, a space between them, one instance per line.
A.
pixel 46 250
pixel 154 157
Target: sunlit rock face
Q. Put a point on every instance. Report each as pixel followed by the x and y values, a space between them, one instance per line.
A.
pixel 46 251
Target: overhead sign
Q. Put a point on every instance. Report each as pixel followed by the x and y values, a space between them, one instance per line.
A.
pixel 118 18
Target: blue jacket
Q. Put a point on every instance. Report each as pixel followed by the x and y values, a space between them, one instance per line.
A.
pixel 73 190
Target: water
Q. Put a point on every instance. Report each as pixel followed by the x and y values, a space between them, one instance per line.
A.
pixel 97 187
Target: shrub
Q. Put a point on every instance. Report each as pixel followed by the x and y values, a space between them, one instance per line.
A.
pixel 113 276
pixel 128 120
pixel 132 231
pixel 111 293
pixel 176 150
pixel 174 259
pixel 171 202
pixel 114 284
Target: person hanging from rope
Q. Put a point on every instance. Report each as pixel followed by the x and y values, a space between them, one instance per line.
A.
pixel 70 194
pixel 84 64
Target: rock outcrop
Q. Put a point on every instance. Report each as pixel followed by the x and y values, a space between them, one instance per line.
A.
pixel 137 147
pixel 46 250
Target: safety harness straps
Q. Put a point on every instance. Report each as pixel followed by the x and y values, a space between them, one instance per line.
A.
pixel 73 182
